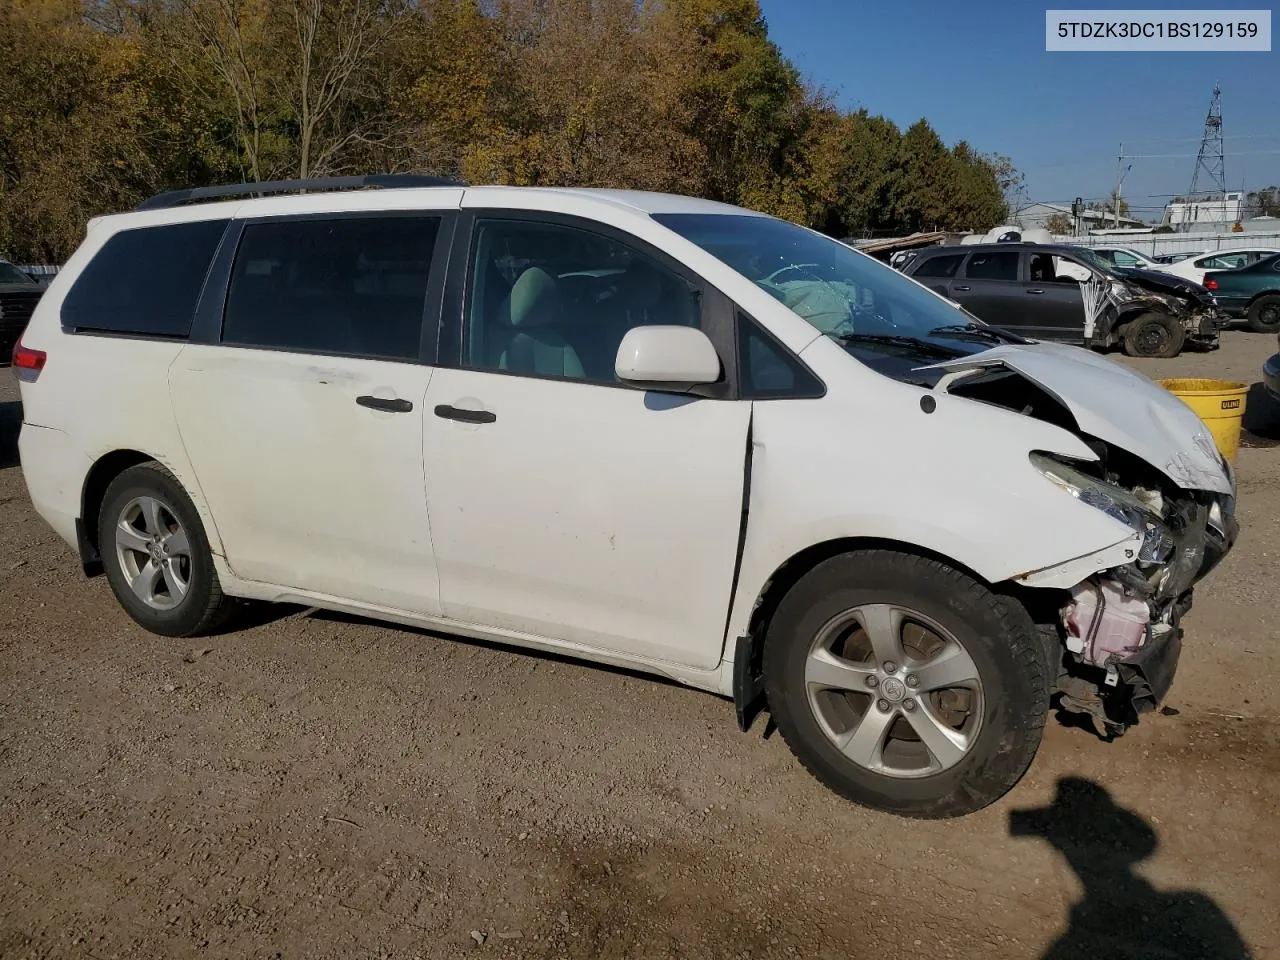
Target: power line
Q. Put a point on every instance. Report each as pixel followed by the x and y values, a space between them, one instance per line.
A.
pixel 1160 156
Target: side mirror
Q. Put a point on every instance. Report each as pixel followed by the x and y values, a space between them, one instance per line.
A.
pixel 667 358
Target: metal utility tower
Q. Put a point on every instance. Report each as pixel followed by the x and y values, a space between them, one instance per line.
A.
pixel 1209 160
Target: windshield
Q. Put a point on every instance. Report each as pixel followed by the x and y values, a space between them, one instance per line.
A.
pixel 855 300
pixel 11 274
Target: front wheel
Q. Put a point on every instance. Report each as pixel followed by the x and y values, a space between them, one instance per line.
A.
pixel 1264 314
pixel 1155 335
pixel 905 685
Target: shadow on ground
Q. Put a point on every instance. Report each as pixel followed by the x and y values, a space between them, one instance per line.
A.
pixel 10 422
pixel 1122 915
pixel 1261 426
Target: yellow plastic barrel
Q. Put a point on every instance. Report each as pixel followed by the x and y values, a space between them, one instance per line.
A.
pixel 1219 403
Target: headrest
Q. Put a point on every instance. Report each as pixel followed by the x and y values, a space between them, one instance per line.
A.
pixel 534 300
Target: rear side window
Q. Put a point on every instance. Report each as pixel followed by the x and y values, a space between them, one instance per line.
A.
pixel 354 286
pixel 144 282
pixel 993 266
pixel 940 266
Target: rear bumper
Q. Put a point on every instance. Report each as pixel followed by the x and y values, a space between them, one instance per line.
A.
pixel 1233 307
pixel 54 470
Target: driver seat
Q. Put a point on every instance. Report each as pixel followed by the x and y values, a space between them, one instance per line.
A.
pixel 533 311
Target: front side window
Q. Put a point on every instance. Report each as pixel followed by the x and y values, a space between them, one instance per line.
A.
pixel 551 300
pixel 940 266
pixel 351 286
pixel 144 282
pixel 992 266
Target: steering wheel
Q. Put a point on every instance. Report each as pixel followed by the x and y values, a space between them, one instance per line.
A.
pixel 773 277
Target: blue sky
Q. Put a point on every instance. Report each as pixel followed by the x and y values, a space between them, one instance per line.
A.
pixel 978 71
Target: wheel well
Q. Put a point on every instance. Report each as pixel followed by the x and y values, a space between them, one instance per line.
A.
pixel 1136 312
pixel 1265 293
pixel 748 677
pixel 100 475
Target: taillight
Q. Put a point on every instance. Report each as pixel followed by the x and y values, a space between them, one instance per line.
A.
pixel 28 363
pixel 1210 283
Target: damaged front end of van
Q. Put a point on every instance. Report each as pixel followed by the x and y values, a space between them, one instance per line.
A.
pixel 1158 472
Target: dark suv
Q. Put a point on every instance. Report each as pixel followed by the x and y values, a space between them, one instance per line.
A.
pixel 18 297
pixel 1067 293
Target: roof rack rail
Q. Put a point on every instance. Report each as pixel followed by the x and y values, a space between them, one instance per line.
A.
pixel 177 198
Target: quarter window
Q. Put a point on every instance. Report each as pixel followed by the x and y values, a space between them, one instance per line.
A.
pixel 352 286
pixel 556 301
pixel 768 371
pixel 993 266
pixel 145 281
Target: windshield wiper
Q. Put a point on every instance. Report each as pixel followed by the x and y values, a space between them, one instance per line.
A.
pixel 971 331
pixel 898 340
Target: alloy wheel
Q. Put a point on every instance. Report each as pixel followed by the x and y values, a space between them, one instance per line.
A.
pixel 894 691
pixel 154 553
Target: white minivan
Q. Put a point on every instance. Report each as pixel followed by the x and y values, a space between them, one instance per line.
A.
pixel 640 429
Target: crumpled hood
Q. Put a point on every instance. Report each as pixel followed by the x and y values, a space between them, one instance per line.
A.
pixel 1168 283
pixel 1115 404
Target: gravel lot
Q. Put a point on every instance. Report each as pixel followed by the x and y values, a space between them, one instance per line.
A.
pixel 313 785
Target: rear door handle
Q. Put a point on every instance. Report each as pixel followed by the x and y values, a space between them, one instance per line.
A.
pixel 389 406
pixel 1035 291
pixel 447 412
pixel 961 288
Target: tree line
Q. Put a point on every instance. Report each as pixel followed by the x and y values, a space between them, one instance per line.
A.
pixel 105 102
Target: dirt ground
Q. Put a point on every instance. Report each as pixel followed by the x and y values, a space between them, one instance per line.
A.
pixel 317 786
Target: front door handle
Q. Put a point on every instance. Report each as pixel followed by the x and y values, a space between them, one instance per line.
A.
pixel 447 412
pixel 1035 291
pixel 961 288
pixel 389 406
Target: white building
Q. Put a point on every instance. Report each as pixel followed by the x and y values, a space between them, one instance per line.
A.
pixel 1213 211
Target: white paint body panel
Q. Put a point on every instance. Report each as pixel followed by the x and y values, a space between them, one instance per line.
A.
pixel 307 489
pixel 598 521
pixel 602 516
pixel 1116 404
pixel 668 355
pixel 866 462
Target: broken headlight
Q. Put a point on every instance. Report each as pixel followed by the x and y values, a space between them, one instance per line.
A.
pixel 1115 502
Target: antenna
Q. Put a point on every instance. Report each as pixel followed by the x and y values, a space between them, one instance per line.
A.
pixel 1210 159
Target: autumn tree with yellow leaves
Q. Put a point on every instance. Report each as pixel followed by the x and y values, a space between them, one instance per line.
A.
pixel 103 102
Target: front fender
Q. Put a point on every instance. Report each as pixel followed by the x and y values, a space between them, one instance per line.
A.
pixel 956 482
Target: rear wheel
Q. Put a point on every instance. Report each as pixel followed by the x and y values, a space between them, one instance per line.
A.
pixel 156 555
pixel 1264 314
pixel 1154 335
pixel 906 685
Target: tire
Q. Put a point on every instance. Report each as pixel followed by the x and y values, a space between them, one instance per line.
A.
pixel 1005 718
pixel 129 555
pixel 1154 335
pixel 1264 314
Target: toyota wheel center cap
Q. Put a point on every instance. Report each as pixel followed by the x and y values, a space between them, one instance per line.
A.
pixel 893 689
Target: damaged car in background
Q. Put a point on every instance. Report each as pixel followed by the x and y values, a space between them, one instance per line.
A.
pixel 1070 294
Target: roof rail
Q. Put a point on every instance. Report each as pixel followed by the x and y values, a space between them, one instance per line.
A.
pixel 177 198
